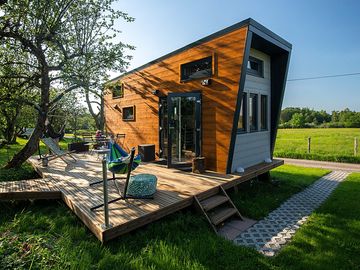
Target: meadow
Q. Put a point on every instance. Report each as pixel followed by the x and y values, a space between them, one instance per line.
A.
pixel 330 144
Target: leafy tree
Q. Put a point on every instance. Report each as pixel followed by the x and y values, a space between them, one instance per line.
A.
pixel 334 116
pixel 287 113
pixel 55 42
pixel 311 118
pixel 297 120
pixel 12 116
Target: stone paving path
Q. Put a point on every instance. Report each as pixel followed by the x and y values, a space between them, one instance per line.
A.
pixel 269 235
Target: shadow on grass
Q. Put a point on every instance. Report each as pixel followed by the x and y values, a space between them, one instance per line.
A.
pixel 180 241
pixel 256 199
pixel 47 235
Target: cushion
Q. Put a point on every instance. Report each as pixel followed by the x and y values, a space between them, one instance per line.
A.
pixel 142 186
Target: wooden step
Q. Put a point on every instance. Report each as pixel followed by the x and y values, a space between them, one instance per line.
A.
pixel 222 214
pixel 213 201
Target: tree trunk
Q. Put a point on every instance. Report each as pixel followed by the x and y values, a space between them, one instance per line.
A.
pixel 93 114
pixel 31 146
pixel 10 135
pixel 98 117
pixel 102 115
pixel 10 123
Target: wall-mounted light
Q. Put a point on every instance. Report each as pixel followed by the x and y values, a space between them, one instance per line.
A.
pixel 206 82
pixel 116 107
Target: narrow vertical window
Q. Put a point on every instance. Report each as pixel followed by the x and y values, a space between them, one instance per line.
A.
pixel 253 118
pixel 242 115
pixel 264 112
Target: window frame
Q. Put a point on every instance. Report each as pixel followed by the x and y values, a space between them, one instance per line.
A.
pixel 123 114
pixel 257 73
pixel 113 88
pixel 244 111
pixel 184 65
pixel 266 113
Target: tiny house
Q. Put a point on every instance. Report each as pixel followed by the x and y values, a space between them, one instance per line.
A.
pixel 219 97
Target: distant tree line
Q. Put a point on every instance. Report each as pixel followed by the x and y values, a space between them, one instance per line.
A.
pixel 308 118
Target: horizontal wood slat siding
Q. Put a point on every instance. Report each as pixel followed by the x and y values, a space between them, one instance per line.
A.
pixel 218 99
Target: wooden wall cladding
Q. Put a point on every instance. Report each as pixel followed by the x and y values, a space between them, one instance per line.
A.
pixel 218 99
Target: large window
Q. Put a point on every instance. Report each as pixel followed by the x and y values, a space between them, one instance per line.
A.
pixel 253 118
pixel 242 116
pixel 201 68
pixel 264 112
pixel 255 67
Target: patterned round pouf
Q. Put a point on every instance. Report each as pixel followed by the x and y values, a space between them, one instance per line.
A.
pixel 142 186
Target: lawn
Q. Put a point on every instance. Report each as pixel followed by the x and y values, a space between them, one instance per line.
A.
pixel 25 171
pixel 332 144
pixel 47 235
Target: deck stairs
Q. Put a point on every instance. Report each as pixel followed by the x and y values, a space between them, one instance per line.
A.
pixel 218 209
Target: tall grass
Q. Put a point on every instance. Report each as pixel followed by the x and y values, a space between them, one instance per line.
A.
pixel 328 144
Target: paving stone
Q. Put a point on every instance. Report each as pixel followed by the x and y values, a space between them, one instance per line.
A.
pixel 274 231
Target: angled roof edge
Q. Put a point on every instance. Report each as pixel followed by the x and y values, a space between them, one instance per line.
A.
pixel 247 22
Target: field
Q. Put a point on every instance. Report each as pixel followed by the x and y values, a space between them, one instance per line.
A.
pixel 331 144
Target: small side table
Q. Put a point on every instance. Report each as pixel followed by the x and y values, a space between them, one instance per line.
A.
pixel 198 165
pixel 146 152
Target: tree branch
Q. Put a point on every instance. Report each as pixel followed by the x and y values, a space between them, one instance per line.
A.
pixel 58 97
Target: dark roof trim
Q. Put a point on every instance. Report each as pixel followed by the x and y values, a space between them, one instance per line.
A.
pixel 256 28
pixel 261 30
pixel 269 38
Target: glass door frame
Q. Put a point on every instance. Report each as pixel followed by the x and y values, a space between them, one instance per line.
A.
pixel 162 113
pixel 198 126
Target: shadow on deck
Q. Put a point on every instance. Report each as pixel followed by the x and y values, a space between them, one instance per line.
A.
pixel 176 190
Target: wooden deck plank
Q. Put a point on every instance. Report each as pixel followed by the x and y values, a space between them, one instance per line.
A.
pixel 175 191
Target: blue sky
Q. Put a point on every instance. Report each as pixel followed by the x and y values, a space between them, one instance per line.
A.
pixel 325 37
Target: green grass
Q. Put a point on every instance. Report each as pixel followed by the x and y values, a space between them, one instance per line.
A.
pixel 47 235
pixel 329 144
pixel 256 199
pixel 25 171
pixel 331 237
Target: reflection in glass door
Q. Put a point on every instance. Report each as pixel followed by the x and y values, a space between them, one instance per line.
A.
pixel 184 129
pixel 163 127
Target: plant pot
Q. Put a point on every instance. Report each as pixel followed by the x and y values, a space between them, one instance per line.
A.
pixel 78 147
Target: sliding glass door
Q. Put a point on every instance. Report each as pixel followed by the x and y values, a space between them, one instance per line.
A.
pixel 184 128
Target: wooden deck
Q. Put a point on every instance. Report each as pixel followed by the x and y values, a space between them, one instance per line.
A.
pixel 176 190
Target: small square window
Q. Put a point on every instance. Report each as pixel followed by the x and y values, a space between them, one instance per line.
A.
pixel 198 69
pixel 117 90
pixel 255 67
pixel 128 113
